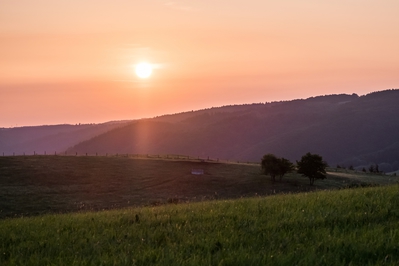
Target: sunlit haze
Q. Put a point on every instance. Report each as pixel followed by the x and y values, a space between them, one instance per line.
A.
pixel 143 70
pixel 76 61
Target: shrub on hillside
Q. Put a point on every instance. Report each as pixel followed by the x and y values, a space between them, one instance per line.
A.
pixel 274 166
pixel 312 166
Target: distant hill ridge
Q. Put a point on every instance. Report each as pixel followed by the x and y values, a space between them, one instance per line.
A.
pixel 344 129
pixel 49 138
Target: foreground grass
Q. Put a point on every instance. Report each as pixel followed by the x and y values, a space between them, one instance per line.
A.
pixel 346 227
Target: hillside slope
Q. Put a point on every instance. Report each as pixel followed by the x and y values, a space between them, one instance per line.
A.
pixel 33 185
pixel 347 227
pixel 345 129
pixel 50 139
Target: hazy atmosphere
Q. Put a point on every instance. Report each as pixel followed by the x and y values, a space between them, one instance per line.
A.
pixel 162 132
pixel 77 61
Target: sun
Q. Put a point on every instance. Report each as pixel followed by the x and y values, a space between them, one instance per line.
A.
pixel 143 70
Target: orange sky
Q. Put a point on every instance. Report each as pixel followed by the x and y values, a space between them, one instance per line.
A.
pixel 72 61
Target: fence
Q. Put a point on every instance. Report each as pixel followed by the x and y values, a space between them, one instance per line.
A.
pixel 137 156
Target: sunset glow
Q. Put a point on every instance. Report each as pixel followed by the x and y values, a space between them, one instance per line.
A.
pixel 59 54
pixel 143 70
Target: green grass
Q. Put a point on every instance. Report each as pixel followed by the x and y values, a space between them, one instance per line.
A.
pixel 345 227
pixel 238 227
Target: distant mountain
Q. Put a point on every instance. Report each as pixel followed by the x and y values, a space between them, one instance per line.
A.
pixel 49 139
pixel 344 129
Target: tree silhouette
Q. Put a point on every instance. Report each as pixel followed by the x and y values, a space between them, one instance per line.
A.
pixel 274 166
pixel 312 166
pixel 371 169
pixel 285 167
pixel 270 165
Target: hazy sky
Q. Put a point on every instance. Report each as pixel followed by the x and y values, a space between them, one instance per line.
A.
pixel 70 61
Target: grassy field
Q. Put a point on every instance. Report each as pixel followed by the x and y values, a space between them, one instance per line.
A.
pixel 34 185
pixel 226 220
pixel 345 227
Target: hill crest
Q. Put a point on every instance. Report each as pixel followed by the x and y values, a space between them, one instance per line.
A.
pixel 345 129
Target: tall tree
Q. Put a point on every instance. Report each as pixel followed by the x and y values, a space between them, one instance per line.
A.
pixel 270 165
pixel 312 166
pixel 285 167
pixel 274 166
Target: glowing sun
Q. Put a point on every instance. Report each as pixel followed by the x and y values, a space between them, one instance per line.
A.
pixel 143 70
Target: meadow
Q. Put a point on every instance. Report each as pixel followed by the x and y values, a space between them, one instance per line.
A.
pixel 345 227
pixel 35 185
pixel 232 215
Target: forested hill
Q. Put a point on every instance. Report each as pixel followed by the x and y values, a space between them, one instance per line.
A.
pixel 344 129
pixel 49 139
